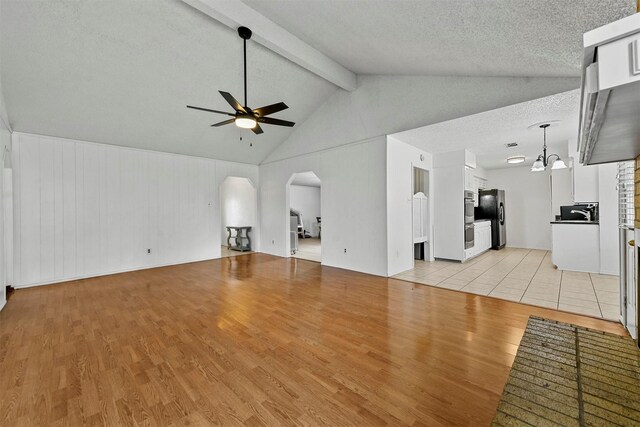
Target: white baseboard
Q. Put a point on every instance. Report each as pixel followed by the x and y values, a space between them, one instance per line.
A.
pixel 89 276
pixel 610 273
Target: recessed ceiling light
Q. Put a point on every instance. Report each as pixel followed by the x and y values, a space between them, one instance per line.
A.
pixel 515 159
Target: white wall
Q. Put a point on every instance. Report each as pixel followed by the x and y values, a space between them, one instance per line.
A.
pixel 5 145
pixel 307 201
pixel 527 206
pixel 608 205
pixel 238 206
pixel 83 209
pixel 401 158
pixel 353 204
pixel 562 193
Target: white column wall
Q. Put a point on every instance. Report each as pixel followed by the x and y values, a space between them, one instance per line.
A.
pixel 608 205
pixel 83 209
pixel 401 159
pixel 353 204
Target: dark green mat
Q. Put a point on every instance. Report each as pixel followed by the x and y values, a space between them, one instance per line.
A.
pixel 567 375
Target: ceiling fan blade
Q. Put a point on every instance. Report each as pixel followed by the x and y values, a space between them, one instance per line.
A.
pixel 226 122
pixel 257 130
pixel 211 111
pixel 270 109
pixel 277 122
pixel 232 101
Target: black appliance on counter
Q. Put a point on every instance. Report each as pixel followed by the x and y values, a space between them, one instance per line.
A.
pixel 491 206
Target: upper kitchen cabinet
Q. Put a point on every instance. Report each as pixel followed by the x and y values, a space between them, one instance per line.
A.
pixel 610 104
pixel 470 159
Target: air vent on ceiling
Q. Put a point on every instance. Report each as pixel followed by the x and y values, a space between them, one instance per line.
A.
pixel 511 144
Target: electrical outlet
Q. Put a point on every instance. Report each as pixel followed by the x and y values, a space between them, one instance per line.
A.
pixel 345 250
pixel 148 251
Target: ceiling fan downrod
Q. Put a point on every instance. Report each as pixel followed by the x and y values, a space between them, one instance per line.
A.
pixel 245 34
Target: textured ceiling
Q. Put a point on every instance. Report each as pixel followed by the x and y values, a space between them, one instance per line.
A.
pixel 121 72
pixel 448 37
pixel 486 134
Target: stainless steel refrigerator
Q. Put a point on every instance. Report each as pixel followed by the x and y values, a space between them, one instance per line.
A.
pixel 491 206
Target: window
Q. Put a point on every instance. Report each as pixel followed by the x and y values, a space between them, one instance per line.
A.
pixel 626 187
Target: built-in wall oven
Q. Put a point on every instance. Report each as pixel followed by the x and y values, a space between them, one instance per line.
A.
pixel 469 207
pixel 468 219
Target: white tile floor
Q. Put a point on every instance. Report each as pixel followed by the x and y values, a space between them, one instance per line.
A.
pixel 526 276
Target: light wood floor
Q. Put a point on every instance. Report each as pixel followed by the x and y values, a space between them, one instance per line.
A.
pixel 226 252
pixel 257 340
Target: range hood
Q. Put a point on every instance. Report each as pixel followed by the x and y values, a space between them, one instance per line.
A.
pixel 610 102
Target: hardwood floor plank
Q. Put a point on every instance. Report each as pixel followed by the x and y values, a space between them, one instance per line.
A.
pixel 258 340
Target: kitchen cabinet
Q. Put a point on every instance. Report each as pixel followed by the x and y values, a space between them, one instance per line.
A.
pixel 468 178
pixel 473 182
pixel 479 183
pixel 482 239
pixel 576 246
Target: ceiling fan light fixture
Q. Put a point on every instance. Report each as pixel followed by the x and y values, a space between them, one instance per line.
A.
pixel 246 122
pixel 243 116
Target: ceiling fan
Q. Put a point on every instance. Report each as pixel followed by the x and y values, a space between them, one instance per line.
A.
pixel 245 117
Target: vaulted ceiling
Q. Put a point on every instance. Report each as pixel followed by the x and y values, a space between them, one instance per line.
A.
pixel 121 72
pixel 448 37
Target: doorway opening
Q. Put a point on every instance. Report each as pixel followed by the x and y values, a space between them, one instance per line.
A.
pixel 420 216
pixel 305 216
pixel 238 216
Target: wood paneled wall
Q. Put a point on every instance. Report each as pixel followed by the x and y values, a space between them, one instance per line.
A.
pixel 84 209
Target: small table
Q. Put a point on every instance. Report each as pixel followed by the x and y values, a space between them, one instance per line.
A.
pixel 242 241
